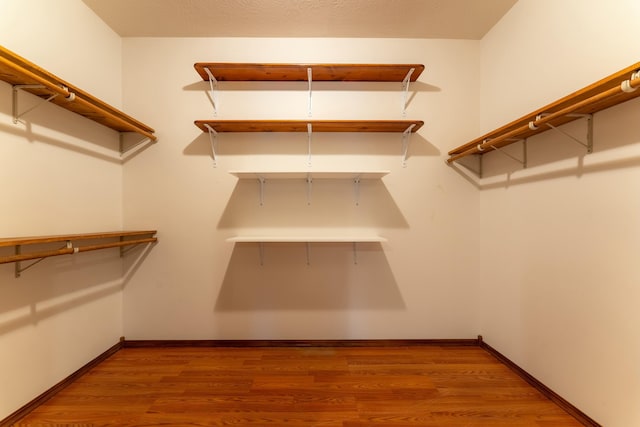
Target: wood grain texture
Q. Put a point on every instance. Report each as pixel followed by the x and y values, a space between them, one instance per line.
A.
pixel 395 126
pixel 346 386
pixel 298 72
pixel 587 100
pixel 16 70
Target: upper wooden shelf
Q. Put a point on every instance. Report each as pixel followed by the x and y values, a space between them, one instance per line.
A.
pixel 316 125
pixel 612 90
pixel 106 240
pixel 18 71
pixel 299 72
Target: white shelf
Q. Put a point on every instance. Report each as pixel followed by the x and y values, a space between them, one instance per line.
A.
pixel 310 174
pixel 306 239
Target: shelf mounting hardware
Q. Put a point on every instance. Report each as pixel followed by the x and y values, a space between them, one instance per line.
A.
pixel 356 189
pixel 124 150
pixel 213 138
pixel 17 88
pixel 522 161
pixel 213 90
pixel 310 80
pixel 405 144
pixel 626 85
pixel 261 180
pixel 66 249
pixel 309 185
pixel 309 138
pixel 405 91
pixel 588 144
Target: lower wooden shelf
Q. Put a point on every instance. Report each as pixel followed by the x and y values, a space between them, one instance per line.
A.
pixel 107 241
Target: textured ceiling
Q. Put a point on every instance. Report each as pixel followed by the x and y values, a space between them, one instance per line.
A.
pixel 455 19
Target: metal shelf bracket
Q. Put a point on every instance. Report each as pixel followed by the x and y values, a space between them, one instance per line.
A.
pixel 356 189
pixel 405 144
pixel 18 264
pixel 261 180
pixel 405 91
pixel 309 139
pixel 310 79
pixel 522 162
pixel 17 88
pixel 309 186
pixel 213 90
pixel 124 150
pixel 213 139
pixel 588 144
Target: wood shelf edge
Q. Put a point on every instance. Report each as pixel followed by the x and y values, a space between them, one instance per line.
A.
pixel 388 126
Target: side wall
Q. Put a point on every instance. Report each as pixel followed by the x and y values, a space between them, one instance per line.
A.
pixel 560 240
pixel 195 285
pixel 59 174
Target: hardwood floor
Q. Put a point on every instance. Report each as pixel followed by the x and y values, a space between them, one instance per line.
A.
pixel 295 386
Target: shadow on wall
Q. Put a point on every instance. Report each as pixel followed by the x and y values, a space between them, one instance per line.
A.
pixel 326 277
pixel 329 204
pixel 322 144
pixel 613 128
pixel 61 283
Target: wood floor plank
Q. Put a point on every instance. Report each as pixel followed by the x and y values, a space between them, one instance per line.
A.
pixel 301 387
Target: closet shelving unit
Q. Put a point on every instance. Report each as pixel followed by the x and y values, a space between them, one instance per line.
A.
pixel 24 75
pixel 582 104
pixel 214 72
pixel 72 245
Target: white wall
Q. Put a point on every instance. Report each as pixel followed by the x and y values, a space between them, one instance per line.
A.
pixel 560 240
pixel 60 174
pixel 195 285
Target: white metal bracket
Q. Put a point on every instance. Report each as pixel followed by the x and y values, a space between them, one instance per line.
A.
pixel 405 144
pixel 310 79
pixel 309 139
pixel 16 89
pixel 356 189
pixel 405 91
pixel 309 185
pixel 522 161
pixel 18 264
pixel 123 150
pixel 213 139
pixel 261 180
pixel 588 144
pixel 213 90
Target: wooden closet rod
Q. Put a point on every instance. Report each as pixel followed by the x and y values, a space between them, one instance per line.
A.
pixel 72 97
pixel 541 120
pixel 70 250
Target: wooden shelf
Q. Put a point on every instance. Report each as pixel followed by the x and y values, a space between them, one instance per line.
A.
pixel 16 71
pixel 306 239
pixel 600 95
pixel 310 174
pixel 317 125
pixel 298 72
pixel 124 238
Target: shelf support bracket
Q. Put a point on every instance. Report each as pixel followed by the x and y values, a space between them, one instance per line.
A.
pixel 310 80
pixel 309 139
pixel 213 90
pixel 16 89
pixel 356 189
pixel 522 162
pixel 405 91
pixel 405 144
pixel 18 264
pixel 588 144
pixel 261 180
pixel 309 185
pixel 213 139
pixel 124 150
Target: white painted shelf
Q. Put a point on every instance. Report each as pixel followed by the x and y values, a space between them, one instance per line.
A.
pixel 306 239
pixel 310 174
